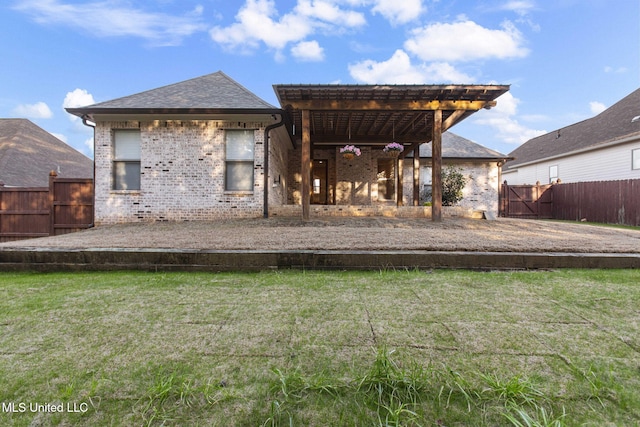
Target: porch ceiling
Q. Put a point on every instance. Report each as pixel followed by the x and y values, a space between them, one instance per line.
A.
pixel 379 114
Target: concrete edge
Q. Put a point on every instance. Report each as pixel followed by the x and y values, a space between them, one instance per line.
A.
pixel 104 259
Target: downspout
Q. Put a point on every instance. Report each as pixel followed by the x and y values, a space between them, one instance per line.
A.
pixel 265 207
pixel 85 119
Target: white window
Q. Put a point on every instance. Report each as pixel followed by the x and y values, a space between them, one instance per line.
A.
pixel 553 173
pixel 126 160
pixel 239 160
pixel 635 155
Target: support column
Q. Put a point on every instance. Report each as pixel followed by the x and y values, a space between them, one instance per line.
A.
pixel 416 176
pixel 436 168
pixel 305 167
pixel 400 182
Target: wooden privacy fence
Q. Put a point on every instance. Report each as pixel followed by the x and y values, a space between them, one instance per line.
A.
pixel 526 201
pixel 64 207
pixel 611 202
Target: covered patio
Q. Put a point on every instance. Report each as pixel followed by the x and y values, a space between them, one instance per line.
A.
pixel 372 116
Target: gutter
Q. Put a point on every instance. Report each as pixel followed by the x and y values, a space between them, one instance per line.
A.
pixel 85 121
pixel 265 203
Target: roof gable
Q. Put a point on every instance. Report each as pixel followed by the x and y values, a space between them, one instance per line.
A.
pixel 215 91
pixel 615 123
pixel 28 153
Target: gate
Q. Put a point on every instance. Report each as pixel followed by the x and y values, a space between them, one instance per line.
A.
pixel 64 207
pixel 526 201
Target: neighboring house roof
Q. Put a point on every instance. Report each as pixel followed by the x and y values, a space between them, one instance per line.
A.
pixel 28 153
pixel 202 95
pixel 614 124
pixel 457 147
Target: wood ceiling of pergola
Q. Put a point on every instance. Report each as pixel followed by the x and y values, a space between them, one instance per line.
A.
pixel 379 114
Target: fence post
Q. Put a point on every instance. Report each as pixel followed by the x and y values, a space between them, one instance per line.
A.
pixel 504 199
pixel 52 210
pixel 537 199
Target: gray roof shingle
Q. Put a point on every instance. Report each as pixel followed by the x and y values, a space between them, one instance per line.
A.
pixel 457 147
pixel 28 153
pixel 615 123
pixel 212 91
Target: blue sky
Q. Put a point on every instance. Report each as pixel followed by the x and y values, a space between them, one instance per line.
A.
pixel 566 60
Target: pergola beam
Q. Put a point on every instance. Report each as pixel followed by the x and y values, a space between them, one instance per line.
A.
pixel 388 105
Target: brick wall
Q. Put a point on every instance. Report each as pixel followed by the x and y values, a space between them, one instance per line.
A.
pixel 354 182
pixel 480 192
pixel 182 173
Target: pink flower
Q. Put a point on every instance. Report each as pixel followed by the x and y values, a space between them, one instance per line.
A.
pixel 350 149
pixel 394 146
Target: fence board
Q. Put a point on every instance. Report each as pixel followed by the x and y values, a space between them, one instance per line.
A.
pixel 27 212
pixel 613 202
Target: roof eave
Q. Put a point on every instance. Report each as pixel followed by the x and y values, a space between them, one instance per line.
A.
pixel 90 112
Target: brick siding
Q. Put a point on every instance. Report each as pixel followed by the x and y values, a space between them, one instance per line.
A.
pixel 182 173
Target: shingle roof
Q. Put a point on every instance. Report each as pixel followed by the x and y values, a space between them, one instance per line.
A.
pixel 28 153
pixel 214 91
pixel 457 147
pixel 615 123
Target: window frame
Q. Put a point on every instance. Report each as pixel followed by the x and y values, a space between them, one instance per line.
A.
pixel 118 183
pixel 635 159
pixel 233 161
pixel 554 177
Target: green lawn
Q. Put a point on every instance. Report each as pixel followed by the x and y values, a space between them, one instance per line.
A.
pixel 441 348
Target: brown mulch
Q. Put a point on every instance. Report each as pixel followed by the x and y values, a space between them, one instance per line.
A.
pixel 365 233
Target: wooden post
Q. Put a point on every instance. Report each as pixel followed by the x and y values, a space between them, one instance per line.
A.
pixel 416 176
pixel 436 168
pixel 399 182
pixel 305 167
pixel 52 209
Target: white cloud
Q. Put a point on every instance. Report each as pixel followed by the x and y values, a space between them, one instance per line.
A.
pixel 258 22
pixel 308 51
pixel 502 119
pixel 439 72
pixel 399 70
pixel 255 23
pixel 597 107
pixel 77 98
pixel 399 12
pixel 619 70
pixel 39 110
pixel 465 41
pixel 112 18
pixel 521 7
pixel 329 12
pixel 396 70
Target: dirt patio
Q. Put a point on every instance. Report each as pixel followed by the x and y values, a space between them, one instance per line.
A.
pixel 357 234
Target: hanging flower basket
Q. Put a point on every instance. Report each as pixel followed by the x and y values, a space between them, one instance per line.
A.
pixel 350 151
pixel 393 149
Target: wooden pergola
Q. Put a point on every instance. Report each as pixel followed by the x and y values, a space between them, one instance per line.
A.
pixel 375 115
